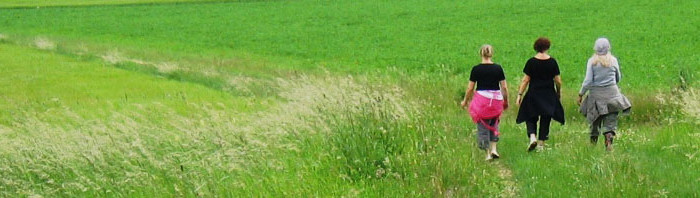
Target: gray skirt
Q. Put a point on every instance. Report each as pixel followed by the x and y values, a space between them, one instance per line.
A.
pixel 604 100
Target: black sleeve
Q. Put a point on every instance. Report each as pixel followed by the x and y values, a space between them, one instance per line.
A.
pixel 501 74
pixel 556 67
pixel 472 75
pixel 527 69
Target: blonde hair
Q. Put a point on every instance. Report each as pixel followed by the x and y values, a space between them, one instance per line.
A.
pixel 605 60
pixel 602 54
pixel 486 51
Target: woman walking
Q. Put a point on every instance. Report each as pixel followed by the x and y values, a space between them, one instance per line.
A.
pixel 542 101
pixel 604 101
pixel 489 100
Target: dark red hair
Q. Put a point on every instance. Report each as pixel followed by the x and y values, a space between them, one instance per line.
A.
pixel 542 44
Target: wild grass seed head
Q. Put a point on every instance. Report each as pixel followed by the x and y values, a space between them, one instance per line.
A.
pixel 44 43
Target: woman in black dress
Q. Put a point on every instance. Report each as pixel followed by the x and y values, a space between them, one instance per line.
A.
pixel 542 101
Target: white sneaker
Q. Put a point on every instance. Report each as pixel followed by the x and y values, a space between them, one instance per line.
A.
pixel 533 143
pixel 494 153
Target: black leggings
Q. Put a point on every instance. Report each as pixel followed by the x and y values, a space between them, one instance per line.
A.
pixel 544 126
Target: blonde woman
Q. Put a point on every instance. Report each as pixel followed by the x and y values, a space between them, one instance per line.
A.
pixel 488 101
pixel 604 101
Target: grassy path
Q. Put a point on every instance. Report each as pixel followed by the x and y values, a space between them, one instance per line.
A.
pixel 511 188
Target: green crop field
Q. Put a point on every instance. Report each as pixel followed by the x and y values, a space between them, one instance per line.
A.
pixel 198 98
pixel 30 4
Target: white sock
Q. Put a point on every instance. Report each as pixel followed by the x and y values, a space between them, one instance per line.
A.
pixel 493 148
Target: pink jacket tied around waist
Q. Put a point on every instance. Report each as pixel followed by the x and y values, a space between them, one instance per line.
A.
pixel 482 108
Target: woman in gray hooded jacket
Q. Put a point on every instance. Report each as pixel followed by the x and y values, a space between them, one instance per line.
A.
pixel 604 101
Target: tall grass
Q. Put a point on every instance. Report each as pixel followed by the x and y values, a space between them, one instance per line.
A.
pixel 329 136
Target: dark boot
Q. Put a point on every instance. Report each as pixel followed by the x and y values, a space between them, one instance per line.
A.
pixel 609 140
pixel 594 140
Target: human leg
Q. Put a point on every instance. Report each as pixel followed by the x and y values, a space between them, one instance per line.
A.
pixel 532 126
pixel 493 138
pixel 485 137
pixel 531 132
pixel 544 128
pixel 595 129
pixel 609 122
pixel 482 136
pixel 609 125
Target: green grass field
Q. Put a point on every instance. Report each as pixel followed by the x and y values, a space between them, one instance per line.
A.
pixel 172 98
pixel 30 4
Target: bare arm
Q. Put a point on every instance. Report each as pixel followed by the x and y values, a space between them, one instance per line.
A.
pixel 504 91
pixel 521 88
pixel 469 93
pixel 523 84
pixel 557 83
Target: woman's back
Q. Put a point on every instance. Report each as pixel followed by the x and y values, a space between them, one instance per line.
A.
pixel 487 76
pixel 602 76
pixel 541 72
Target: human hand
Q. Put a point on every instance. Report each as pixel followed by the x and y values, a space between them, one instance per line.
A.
pixel 578 101
pixel 518 101
pixel 463 104
pixel 505 105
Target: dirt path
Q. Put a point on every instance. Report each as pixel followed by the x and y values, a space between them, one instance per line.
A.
pixel 511 187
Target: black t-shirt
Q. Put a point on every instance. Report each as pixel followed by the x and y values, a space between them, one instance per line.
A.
pixel 541 72
pixel 487 76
